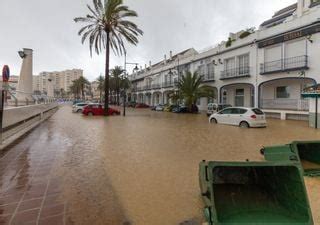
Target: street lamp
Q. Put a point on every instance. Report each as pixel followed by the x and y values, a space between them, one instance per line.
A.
pixel 124 76
pixel 22 54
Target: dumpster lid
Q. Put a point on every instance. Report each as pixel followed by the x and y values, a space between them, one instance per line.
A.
pixel 309 156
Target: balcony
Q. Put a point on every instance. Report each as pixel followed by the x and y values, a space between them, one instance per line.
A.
pixel 147 87
pixel 285 65
pixel 167 84
pixel 156 86
pixel 285 104
pixel 208 77
pixel 235 73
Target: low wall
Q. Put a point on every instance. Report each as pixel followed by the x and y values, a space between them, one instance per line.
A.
pixel 19 120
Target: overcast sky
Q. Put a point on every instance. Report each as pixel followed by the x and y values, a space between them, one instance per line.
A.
pixel 47 27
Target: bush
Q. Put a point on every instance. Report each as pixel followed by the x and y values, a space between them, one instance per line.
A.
pixel 244 34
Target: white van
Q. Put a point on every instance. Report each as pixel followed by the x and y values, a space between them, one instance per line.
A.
pixel 215 107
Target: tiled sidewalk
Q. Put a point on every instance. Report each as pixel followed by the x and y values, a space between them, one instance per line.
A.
pixel 30 194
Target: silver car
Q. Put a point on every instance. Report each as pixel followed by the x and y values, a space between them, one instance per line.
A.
pixel 77 108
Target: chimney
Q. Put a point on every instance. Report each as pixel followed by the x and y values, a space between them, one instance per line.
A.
pixel 165 59
pixel 150 64
pixel 145 66
pixel 140 67
pixel 170 55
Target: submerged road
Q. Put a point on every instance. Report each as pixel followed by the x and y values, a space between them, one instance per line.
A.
pixel 138 170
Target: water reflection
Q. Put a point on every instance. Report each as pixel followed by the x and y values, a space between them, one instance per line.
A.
pixel 143 169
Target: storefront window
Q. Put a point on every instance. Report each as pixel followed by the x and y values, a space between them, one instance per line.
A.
pixel 282 92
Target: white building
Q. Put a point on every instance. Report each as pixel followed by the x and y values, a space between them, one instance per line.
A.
pixel 266 68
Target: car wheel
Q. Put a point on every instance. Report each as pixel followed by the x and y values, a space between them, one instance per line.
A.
pixel 90 114
pixel 79 111
pixel 244 124
pixel 213 120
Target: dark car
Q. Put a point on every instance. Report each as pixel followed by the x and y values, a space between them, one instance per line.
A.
pixel 141 105
pixel 180 109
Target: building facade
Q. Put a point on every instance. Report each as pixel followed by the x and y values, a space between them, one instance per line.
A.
pixel 266 68
pixel 60 81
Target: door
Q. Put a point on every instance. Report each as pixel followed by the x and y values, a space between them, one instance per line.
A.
pixel 239 97
pixel 224 116
pixel 235 118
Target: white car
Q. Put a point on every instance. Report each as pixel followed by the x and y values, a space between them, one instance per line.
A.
pixel 159 107
pixel 77 108
pixel 240 116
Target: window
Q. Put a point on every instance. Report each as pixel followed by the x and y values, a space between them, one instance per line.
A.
pixel 257 111
pixel 243 64
pixel 239 97
pixel 202 70
pixel 226 111
pixel 210 100
pixel 282 92
pixel 314 3
pixel 210 69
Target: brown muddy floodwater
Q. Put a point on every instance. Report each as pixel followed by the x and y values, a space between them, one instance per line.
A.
pixel 138 170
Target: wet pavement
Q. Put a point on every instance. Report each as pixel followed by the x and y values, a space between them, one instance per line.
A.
pixel 138 170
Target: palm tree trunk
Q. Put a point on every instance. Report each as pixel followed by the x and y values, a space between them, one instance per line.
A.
pixel 106 87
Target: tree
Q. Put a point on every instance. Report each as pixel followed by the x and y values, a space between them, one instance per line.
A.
pixel 100 87
pixel 82 82
pixel 116 74
pixel 75 89
pixel 190 89
pixel 107 26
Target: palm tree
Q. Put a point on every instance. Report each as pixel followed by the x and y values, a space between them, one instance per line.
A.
pixel 75 88
pixel 82 83
pixel 191 89
pixel 116 75
pixel 107 26
pixel 100 87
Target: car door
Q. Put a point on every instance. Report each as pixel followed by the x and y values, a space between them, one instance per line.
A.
pixel 224 116
pixel 234 118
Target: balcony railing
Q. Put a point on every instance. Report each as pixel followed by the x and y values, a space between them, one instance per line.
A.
pixel 167 84
pixel 156 86
pixel 285 104
pixel 235 73
pixel 284 65
pixel 208 77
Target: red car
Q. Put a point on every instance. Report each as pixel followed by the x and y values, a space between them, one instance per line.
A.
pixel 142 105
pixel 97 110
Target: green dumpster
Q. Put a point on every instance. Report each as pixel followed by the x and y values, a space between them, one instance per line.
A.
pixel 257 193
pixel 304 153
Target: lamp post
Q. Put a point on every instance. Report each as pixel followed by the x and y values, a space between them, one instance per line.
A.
pixel 123 78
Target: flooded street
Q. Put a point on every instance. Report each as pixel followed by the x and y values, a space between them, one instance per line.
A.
pixel 138 170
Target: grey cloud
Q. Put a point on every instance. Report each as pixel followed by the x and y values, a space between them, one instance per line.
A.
pixel 47 27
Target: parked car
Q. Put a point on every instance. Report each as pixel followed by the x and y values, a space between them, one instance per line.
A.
pixel 240 116
pixel 159 107
pixel 141 105
pixel 180 109
pixel 215 107
pixel 78 107
pixel 98 110
pixel 169 108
